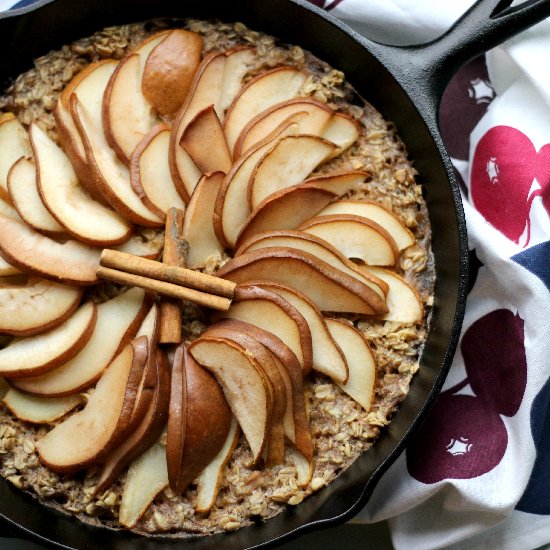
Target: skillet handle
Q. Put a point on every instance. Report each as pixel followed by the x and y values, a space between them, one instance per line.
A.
pixel 425 70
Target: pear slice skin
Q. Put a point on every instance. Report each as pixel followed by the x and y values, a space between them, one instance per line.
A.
pixel 377 213
pixel 118 320
pixel 275 452
pixel 39 410
pixel 37 306
pixel 41 353
pixel 80 440
pixel 146 433
pixel 329 288
pixel 70 262
pixel 296 430
pixel 317 247
pixel 84 218
pixel 199 421
pixel 204 141
pixel 24 194
pixel 362 367
pixel 245 385
pixel 169 70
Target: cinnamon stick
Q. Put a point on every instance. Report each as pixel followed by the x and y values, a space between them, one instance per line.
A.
pixel 169 274
pixel 175 254
pixel 166 289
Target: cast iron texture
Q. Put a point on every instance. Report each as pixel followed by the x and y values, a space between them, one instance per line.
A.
pixel 405 85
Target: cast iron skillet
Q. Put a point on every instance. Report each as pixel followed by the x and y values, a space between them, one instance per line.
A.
pixel 406 85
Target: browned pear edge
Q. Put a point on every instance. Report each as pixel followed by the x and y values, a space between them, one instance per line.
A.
pixel 261 374
pixel 244 292
pixel 275 345
pixel 384 287
pixel 146 432
pixel 50 324
pixel 275 452
pixel 135 169
pixel 318 220
pixel 372 301
pixel 207 423
pixel 252 122
pixel 67 354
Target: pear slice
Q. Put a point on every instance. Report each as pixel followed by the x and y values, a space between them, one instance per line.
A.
pixel 318 115
pixel 390 222
pixel 169 70
pixel 81 440
pixel 404 303
pixel 8 210
pixel 342 130
pixel 329 288
pixel 199 421
pixel 39 410
pixel 355 237
pixel 37 306
pixel 198 225
pixel 23 191
pixel 260 93
pixel 71 262
pixel 328 357
pixel 317 247
pixel 296 425
pixel 338 182
pixel 270 312
pixel 147 476
pixel 245 385
pixel 69 136
pixel 4 388
pixel 6 269
pixel 276 374
pixel 109 175
pixel 303 465
pixel 288 163
pixel 127 116
pixel 87 220
pixel 232 208
pixel 150 172
pixel 44 352
pixel 139 245
pixel 14 144
pixel 148 430
pixel 118 320
pixel 217 81
pixel 362 368
pixel 285 209
pixel 210 479
pixel 204 141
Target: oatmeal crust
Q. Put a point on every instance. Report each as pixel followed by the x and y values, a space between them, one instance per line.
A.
pixel 341 429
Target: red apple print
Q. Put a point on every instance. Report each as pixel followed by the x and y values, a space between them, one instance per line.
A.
pixel 495 361
pixel 542 174
pixel 462 438
pixel 464 435
pixel 464 102
pixel 504 166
